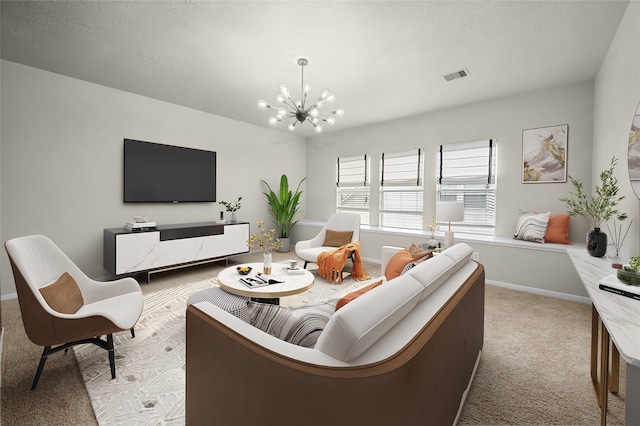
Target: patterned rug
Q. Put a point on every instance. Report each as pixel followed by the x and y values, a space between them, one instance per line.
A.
pixel 149 388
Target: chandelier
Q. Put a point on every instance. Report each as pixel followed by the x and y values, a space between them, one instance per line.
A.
pixel 298 110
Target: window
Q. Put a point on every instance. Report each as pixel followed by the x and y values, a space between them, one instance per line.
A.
pixel 401 189
pixel 353 186
pixel 467 173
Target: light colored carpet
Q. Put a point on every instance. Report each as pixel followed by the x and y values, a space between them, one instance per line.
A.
pixel 150 382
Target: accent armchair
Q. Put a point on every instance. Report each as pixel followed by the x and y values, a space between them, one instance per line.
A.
pixel 61 306
pixel 336 229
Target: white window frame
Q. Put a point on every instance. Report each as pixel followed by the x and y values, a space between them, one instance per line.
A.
pixel 402 189
pixel 466 172
pixel 353 186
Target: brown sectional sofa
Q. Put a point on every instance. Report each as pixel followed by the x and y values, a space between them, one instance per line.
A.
pixel 404 353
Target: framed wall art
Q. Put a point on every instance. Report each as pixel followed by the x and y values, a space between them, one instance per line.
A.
pixel 544 154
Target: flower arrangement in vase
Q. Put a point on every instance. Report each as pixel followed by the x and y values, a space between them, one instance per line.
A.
pixel 431 226
pixel 266 241
pixel 597 208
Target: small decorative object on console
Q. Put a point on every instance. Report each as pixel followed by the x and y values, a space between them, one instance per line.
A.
pixel 231 207
pixel 140 223
pixel 617 258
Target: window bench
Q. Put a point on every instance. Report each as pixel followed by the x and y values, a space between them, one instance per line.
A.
pixel 538 268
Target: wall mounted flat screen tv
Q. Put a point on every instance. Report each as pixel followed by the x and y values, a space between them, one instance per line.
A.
pixel 158 173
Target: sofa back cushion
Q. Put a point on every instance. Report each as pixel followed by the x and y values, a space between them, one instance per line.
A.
pixel 358 325
pixel 459 253
pixel 433 272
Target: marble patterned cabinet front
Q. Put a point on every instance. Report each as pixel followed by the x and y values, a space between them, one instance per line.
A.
pixel 127 252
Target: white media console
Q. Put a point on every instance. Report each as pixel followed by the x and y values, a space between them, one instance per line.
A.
pixel 128 252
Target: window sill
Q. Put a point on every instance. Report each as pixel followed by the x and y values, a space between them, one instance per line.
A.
pixel 460 237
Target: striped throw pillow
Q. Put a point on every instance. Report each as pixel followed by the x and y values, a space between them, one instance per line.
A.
pixel 531 226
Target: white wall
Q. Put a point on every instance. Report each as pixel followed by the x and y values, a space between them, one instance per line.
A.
pixel 502 119
pixel 617 93
pixel 61 165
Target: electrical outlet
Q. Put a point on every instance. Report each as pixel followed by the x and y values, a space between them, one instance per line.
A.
pixel 475 255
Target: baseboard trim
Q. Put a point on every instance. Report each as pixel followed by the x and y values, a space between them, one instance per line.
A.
pixel 8 296
pixel 541 292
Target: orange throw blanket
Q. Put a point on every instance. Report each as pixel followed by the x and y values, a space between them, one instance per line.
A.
pixel 331 263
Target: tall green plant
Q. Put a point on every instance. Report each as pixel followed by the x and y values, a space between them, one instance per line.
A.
pixel 283 207
pixel 600 207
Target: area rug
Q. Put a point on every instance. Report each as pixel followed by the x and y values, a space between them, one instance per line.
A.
pixel 149 388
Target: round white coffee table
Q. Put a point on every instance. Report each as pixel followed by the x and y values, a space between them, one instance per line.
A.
pixel 229 280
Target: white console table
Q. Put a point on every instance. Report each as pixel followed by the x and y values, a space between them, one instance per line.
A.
pixel 168 246
pixel 620 320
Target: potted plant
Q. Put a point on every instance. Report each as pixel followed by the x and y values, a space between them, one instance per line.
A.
pixel 232 207
pixel 597 208
pixel 283 207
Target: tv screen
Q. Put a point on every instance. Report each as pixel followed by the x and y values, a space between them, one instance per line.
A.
pixel 157 173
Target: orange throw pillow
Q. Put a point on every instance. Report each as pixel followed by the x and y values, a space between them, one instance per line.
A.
pixel 558 229
pixel 397 263
pixel 355 294
pixel 63 296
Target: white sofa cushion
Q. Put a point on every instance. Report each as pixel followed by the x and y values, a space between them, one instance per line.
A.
pixel 434 271
pixel 431 273
pixel 459 253
pixel 359 324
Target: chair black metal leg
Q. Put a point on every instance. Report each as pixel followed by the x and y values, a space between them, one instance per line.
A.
pixel 112 357
pixel 43 359
pixel 133 333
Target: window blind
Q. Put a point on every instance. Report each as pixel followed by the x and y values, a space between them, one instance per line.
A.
pixel 467 173
pixel 401 189
pixel 353 186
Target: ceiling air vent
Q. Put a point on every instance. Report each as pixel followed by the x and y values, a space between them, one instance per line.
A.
pixel 458 74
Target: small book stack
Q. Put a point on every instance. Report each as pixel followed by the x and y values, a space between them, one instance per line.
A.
pixel 293 271
pixel 614 285
pixel 132 225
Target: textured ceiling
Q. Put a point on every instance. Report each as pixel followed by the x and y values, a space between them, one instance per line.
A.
pixel 383 59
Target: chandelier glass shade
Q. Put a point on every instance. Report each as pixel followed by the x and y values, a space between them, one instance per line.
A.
pixel 299 111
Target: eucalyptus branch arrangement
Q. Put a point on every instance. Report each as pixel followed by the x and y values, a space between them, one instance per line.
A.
pixel 232 207
pixel 600 207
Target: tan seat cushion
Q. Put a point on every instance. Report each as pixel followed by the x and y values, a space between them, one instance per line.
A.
pixel 63 295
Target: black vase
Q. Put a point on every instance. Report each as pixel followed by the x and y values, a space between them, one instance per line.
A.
pixel 597 243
